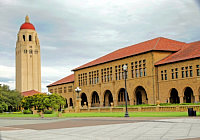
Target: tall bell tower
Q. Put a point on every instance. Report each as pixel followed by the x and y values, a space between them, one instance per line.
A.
pixel 28 64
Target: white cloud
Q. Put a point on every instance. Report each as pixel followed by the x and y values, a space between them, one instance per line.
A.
pixel 52 74
pixel 11 84
pixel 7 72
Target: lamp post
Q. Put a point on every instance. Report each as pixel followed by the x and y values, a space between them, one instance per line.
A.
pixel 77 108
pixel 78 90
pixel 126 99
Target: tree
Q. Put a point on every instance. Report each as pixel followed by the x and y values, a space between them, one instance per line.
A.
pixel 57 101
pixel 42 101
pixel 10 100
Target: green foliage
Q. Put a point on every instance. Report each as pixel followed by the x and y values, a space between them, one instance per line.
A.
pixel 48 111
pixel 28 112
pixel 42 102
pixel 17 112
pixel 10 100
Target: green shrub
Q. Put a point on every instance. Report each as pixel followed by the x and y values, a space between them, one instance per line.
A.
pixel 28 112
pixel 48 112
pixel 16 112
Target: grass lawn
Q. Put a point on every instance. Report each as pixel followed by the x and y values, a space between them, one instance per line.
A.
pixel 105 114
pixel 18 115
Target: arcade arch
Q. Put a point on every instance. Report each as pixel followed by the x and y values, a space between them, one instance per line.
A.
pixel 83 99
pixel 108 98
pixel 188 95
pixel 174 98
pixel 121 97
pixel 95 99
pixel 140 96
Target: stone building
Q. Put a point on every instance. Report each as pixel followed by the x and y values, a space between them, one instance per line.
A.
pixel 160 69
pixel 64 87
pixel 28 65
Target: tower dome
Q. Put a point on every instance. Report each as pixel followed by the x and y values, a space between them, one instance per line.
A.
pixel 27 24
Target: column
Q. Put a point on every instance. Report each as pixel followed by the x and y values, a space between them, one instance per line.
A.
pixel 181 99
pixel 196 98
pixel 115 102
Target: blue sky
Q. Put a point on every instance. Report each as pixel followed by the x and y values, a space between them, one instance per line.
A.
pixel 72 33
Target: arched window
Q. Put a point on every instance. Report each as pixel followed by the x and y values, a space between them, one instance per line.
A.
pixel 30 51
pixel 24 37
pixel 30 38
pixel 25 51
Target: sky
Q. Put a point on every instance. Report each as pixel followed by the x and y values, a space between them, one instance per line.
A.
pixel 72 33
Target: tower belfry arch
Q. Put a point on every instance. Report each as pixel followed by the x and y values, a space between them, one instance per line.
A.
pixel 28 64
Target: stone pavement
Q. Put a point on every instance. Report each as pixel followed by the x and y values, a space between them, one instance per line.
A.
pixel 129 129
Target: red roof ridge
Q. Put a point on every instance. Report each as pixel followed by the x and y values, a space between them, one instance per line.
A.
pixel 184 53
pixel 159 43
pixel 67 79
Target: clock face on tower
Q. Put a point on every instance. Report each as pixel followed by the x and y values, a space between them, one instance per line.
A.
pixel 28 64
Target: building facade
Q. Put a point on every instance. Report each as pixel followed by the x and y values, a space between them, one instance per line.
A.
pixel 28 65
pixel 160 69
pixel 64 87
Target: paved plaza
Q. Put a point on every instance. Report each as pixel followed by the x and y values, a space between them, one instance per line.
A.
pixel 100 129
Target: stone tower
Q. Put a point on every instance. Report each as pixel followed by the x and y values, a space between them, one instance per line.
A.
pixel 28 65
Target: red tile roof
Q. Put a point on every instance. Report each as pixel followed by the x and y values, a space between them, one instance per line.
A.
pixel 30 93
pixel 160 43
pixel 188 51
pixel 65 80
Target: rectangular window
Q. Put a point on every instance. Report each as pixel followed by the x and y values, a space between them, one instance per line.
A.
pixel 122 71
pixel 108 75
pixel 144 70
pixel 165 74
pixel 65 89
pixel 51 90
pixel 183 72
pixel 141 72
pixel 144 67
pixel 198 70
pixel 186 72
pixel 116 71
pixel 176 73
pixel 119 73
pixel 97 76
pixel 102 75
pixel 83 78
pixel 69 88
pixel 137 73
pixel 90 80
pixel 79 81
pixel 172 73
pixel 60 90
pixel 105 75
pixel 162 75
pixel 132 70
pixel 191 73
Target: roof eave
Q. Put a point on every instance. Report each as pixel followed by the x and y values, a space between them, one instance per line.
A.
pixel 60 84
pixel 76 69
pixel 176 61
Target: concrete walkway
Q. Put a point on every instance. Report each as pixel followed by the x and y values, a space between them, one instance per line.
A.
pixel 166 129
